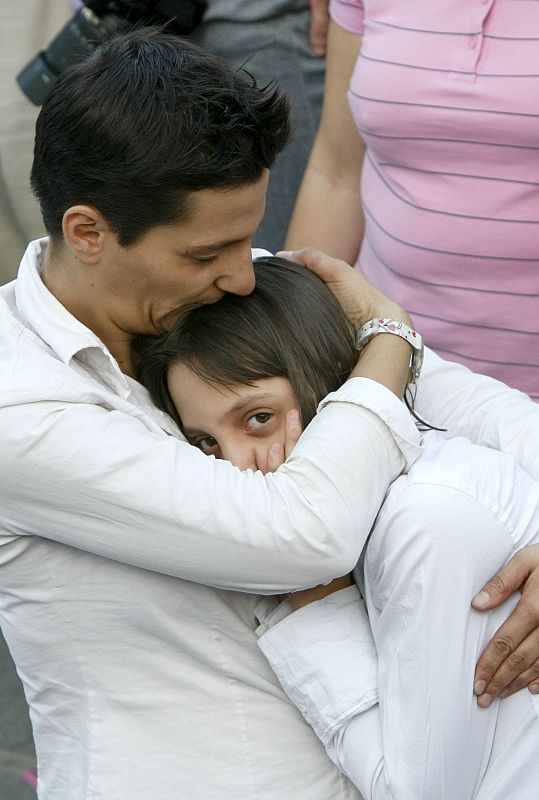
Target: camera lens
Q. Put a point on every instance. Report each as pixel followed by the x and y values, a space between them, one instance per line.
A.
pixel 77 39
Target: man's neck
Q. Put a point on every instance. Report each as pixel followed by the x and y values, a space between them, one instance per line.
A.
pixel 65 279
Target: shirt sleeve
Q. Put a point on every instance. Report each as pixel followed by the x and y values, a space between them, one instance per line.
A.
pixel 483 409
pixel 349 14
pixel 407 726
pixel 100 480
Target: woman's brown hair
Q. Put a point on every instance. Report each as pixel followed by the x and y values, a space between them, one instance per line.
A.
pixel 290 326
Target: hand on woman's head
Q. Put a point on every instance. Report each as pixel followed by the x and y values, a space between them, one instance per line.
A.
pixel 360 300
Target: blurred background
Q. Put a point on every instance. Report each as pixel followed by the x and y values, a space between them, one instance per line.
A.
pixel 26 27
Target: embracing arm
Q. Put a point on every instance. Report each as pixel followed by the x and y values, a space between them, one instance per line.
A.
pixel 110 481
pixel 99 480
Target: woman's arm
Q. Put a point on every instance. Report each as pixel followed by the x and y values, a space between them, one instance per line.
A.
pixel 328 213
pixel 484 410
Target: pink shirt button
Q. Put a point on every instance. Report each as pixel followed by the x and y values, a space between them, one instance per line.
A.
pixel 472 42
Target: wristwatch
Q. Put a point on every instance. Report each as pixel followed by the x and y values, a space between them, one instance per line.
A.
pixel 375 326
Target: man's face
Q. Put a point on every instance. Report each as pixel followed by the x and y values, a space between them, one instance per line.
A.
pixel 175 268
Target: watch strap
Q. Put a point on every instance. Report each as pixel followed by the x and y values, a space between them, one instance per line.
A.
pixel 397 328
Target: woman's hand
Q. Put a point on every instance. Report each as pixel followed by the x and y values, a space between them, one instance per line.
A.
pixel 360 300
pixel 279 451
pixel 510 660
pixel 385 359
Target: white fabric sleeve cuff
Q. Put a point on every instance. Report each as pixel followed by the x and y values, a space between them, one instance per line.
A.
pixel 325 659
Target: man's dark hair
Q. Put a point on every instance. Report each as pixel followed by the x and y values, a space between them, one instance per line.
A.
pixel 144 121
pixel 291 326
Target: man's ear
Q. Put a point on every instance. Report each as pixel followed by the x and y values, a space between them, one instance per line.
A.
pixel 85 231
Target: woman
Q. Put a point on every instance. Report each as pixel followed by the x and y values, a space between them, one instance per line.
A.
pixel 230 374
pixel 433 107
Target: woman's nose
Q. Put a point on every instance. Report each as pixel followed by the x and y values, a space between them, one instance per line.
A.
pixel 241 454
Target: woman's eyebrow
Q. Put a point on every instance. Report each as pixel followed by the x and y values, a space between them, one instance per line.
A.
pixel 245 401
pixel 240 404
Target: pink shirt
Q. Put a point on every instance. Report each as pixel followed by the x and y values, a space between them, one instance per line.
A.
pixel 446 96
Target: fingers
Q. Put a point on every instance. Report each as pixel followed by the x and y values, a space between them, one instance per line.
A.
pixel 279 451
pixel 276 457
pixel 519 667
pixel 292 431
pixel 355 295
pixel 319 26
pixel 529 678
pixel 505 582
pixel 359 299
pixel 326 267
pixel 510 659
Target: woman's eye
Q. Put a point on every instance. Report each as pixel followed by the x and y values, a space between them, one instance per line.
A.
pixel 259 419
pixel 208 445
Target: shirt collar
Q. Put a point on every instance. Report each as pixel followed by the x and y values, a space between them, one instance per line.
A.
pixel 51 321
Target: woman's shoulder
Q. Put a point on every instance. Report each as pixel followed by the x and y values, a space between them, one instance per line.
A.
pixel 450 472
pixel 457 461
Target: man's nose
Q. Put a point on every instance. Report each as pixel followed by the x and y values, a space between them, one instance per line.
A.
pixel 238 276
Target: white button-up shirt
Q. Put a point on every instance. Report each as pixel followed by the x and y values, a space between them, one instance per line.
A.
pixel 119 543
pixel 390 695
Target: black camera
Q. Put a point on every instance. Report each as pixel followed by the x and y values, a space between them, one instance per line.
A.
pixel 95 22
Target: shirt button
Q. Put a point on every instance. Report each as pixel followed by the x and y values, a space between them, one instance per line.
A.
pixel 472 42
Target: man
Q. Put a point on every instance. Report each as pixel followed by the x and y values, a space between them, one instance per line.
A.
pixel 118 540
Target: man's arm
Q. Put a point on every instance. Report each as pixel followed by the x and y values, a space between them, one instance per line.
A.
pixel 100 481
pixel 104 481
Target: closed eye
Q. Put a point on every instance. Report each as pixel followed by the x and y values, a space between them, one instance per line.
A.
pixel 204 259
